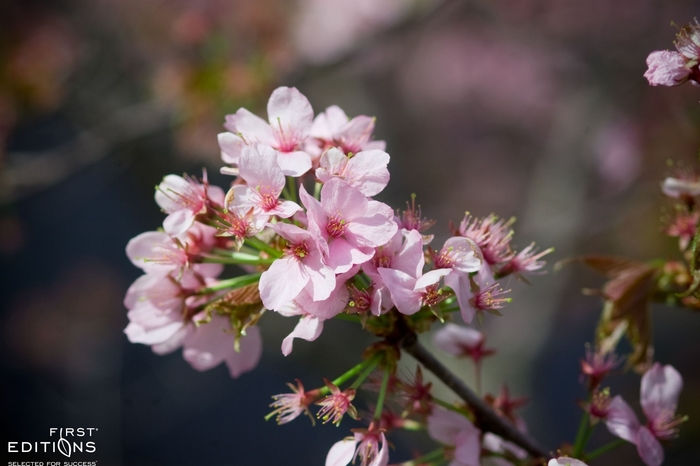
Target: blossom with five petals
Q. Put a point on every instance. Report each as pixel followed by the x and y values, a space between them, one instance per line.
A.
pixel 661 386
pixel 290 119
pixel 301 264
pixel 351 225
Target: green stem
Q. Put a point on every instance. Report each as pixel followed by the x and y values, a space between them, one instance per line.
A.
pixel 427 458
pixel 382 395
pixel 583 434
pixel 604 449
pixel 291 189
pixel 263 246
pixel 368 370
pixel 231 283
pixel 449 406
pixel 348 375
pixel 237 258
pixel 317 190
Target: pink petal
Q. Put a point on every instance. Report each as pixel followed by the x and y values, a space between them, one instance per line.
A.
pixel 258 167
pixel 282 282
pixel 309 328
pixel 469 260
pixel 463 289
pixel 341 453
pixel 338 196
pixel 289 110
pixel 159 291
pixel 375 228
pixel 251 127
pixel 332 164
pixel 430 278
pixel 673 187
pixel 342 255
pixel 367 171
pixel 666 68
pixel 566 461
pixel 621 420
pixel 141 248
pixel 661 386
pixel 400 285
pixel 322 277
pixel 294 163
pixel 327 123
pixel 174 342
pixel 453 339
pixel 285 209
pixel 165 196
pixel 410 259
pixel 382 459
pixel 177 223
pixel 231 146
pixel 249 355
pixel 209 344
pixel 649 448
pixel 444 426
pixel 468 446
pixel 374 145
pixel 152 335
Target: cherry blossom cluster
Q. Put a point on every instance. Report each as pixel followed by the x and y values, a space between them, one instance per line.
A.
pixel 300 218
pixel 672 68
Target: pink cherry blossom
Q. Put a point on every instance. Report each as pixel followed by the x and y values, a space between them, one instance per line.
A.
pixel 158 307
pixel 684 185
pixel 301 264
pixel 565 461
pixel 185 198
pixel 156 252
pixel 367 445
pixel 156 304
pixel 264 183
pixel 491 234
pixel 598 364
pixel 661 386
pixel 496 444
pixel 351 224
pixel 666 68
pixel 335 405
pixel 314 313
pixel 212 343
pixel 159 253
pixel 365 170
pixel 462 341
pixel 240 224
pixel 460 257
pixel 405 253
pixel 451 428
pixel 308 328
pixel 412 219
pixel 290 119
pixel 289 406
pixel 409 293
pixel 688 41
pixel 526 261
pixel 333 128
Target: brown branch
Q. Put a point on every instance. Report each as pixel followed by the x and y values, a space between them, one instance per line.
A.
pixel 486 416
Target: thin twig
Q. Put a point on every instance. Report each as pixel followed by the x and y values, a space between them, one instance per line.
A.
pixel 486 416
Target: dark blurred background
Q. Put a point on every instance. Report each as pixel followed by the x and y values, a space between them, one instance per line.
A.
pixel 530 108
